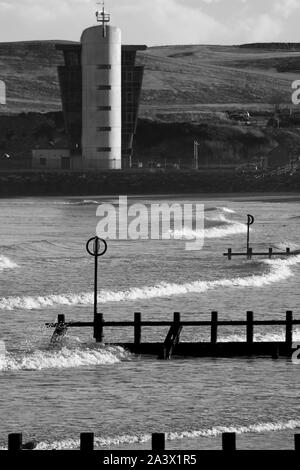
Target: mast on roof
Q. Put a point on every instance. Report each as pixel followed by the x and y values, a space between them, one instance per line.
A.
pixel 102 16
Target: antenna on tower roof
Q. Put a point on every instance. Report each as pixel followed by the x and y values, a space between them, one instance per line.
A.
pixel 102 17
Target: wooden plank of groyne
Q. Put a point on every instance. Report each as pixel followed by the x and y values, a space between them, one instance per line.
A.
pixel 172 338
pixel 183 323
pixel 250 253
pixel 207 349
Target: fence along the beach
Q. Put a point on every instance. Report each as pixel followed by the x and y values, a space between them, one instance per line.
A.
pixel 171 343
pixel 158 442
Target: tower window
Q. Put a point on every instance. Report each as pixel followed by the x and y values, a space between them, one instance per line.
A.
pixel 104 149
pixel 104 67
pixel 129 97
pixel 104 129
pixel 43 161
pixel 104 108
pixel 104 87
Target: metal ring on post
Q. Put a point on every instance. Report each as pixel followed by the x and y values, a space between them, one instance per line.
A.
pixel 250 219
pixel 96 246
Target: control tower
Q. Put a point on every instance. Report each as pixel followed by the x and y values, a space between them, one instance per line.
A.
pixel 100 83
pixel 101 63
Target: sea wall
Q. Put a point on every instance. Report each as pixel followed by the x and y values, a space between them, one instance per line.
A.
pixel 142 182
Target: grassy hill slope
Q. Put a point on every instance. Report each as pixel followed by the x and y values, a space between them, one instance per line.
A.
pixel 178 79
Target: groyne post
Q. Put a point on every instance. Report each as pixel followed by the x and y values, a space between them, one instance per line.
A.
pixel 158 442
pixel 87 441
pixel 229 441
pixel 297 442
pixel 289 329
pixel 60 329
pixel 15 442
pixel 249 327
pixel 137 328
pixel 270 252
pixel 214 327
pixel 275 352
pixel 61 318
pixel 98 327
pixel 176 318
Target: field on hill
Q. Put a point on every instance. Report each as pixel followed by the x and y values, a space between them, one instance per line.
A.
pixel 180 83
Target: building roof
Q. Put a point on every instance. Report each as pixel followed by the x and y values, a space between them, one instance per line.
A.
pixel 77 46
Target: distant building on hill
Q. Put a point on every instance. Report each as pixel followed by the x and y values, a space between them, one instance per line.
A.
pixel 100 87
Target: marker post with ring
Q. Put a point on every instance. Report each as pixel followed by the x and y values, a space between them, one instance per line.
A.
pixel 97 247
pixel 249 252
pixel 250 221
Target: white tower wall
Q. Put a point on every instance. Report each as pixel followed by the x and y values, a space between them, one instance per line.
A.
pixel 101 67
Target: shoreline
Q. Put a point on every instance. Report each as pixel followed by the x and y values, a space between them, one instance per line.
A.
pixel 235 196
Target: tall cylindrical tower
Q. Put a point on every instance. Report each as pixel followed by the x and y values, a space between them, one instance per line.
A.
pixel 101 97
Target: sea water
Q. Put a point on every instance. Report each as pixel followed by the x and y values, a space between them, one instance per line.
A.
pixel 53 394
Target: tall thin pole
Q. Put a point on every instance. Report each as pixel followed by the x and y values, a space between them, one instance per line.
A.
pixel 96 251
pixel 250 221
pixel 196 145
pixel 248 235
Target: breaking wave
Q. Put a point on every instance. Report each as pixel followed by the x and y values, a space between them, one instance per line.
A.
pixel 68 444
pixel 226 209
pixel 62 358
pixel 84 202
pixel 279 270
pixel 260 337
pixel 294 247
pixel 6 263
pixel 223 227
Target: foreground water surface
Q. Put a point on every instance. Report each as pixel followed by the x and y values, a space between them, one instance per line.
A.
pixel 54 394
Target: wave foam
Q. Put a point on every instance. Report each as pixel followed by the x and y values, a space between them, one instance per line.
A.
pixel 70 443
pixel 61 359
pixel 294 247
pixel 6 263
pixel 84 202
pixel 260 337
pixel 280 270
pixel 224 228
pixel 226 209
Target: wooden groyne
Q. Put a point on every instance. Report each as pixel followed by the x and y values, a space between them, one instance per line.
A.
pixel 250 253
pixel 158 442
pixel 172 346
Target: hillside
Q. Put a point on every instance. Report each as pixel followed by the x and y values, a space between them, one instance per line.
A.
pixel 181 82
